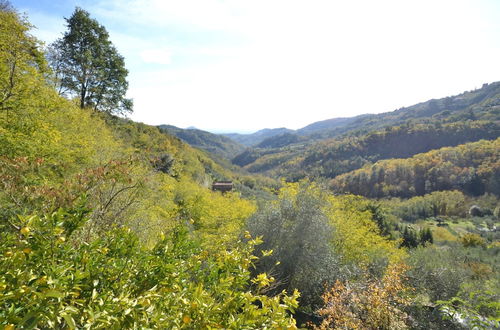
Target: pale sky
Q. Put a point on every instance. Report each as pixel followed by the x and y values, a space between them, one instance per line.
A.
pixel 243 65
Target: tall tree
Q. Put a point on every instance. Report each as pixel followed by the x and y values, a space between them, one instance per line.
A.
pixel 88 66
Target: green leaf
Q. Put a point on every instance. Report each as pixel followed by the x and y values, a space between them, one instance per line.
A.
pixel 69 320
pixel 53 294
pixel 30 320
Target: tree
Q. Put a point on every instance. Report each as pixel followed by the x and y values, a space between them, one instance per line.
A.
pixel 88 66
pixel 21 62
pixel 297 236
pixel 410 239
pixel 426 236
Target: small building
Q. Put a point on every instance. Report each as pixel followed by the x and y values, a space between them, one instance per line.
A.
pixel 223 186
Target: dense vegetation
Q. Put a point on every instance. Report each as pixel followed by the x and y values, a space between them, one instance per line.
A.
pixel 472 168
pixel 110 223
pixel 332 157
pixel 336 146
pixel 85 200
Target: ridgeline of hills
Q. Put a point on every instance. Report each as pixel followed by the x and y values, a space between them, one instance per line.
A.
pixel 253 139
pixel 329 148
pixel 213 143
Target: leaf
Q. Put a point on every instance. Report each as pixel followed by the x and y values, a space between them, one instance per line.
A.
pixel 30 320
pixel 69 320
pixel 53 294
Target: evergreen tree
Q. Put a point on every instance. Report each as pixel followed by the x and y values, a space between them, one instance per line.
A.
pixel 426 236
pixel 89 67
pixel 410 239
pixel 380 218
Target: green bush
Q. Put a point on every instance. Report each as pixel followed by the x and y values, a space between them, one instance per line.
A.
pixel 49 279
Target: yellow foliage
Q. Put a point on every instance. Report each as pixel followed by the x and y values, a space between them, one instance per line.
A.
pixel 213 215
pixel 357 236
pixel 442 234
pixel 471 240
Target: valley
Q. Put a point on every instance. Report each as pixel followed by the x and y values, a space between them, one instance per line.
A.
pixel 377 221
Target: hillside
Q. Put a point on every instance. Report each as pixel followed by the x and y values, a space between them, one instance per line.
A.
pixel 479 104
pixel 213 143
pixel 257 137
pixel 482 103
pixel 450 121
pixel 101 216
pixel 327 125
pixel 472 168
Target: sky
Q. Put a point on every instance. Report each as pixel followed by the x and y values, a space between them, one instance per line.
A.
pixel 244 65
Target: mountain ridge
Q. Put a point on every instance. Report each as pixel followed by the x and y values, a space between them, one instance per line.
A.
pixel 340 145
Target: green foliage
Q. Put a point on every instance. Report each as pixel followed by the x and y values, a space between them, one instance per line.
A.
pixel 340 145
pixel 110 223
pixel 73 180
pixel 89 66
pixel 328 158
pixel 439 272
pixel 470 312
pixel 211 214
pixel 438 203
pixel 442 273
pixel 21 62
pixel 297 236
pixel 357 235
pixel 411 238
pixel 50 279
pixel 426 236
pixel 472 240
pixel 317 239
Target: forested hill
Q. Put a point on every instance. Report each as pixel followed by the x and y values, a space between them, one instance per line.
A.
pixel 472 168
pixel 479 104
pixel 213 143
pixel 450 121
pixel 482 103
pixel 257 137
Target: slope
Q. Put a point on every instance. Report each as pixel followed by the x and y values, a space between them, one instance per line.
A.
pixel 213 143
pixel 472 168
pixel 257 137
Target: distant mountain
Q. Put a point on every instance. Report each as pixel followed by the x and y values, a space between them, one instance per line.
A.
pixel 482 103
pixel 216 144
pixel 327 125
pixel 332 147
pixel 253 139
pixel 479 104
pixel 281 140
